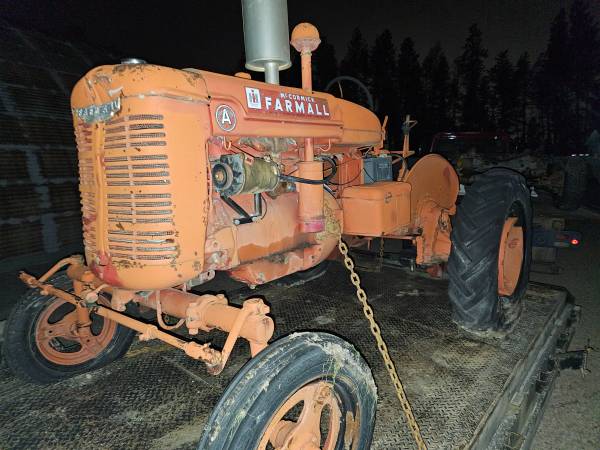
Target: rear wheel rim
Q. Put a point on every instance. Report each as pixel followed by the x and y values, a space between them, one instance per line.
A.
pixel 510 257
pixel 60 341
pixel 320 409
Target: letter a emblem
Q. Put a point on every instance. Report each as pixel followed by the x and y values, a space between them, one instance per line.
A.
pixel 225 117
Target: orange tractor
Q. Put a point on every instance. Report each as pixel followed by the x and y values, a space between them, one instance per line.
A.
pixel 185 172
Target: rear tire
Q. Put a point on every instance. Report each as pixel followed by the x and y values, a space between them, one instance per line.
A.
pixel 473 265
pixel 25 356
pixel 253 401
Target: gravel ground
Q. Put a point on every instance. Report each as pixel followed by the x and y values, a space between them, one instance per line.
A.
pixel 572 418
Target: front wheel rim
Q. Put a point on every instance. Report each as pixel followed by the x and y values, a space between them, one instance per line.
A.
pixel 60 341
pixel 305 432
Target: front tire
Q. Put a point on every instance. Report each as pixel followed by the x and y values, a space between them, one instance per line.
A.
pixel 489 261
pixel 299 380
pixel 35 355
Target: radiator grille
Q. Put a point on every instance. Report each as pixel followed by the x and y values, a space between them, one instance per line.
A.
pixel 136 173
pixel 83 137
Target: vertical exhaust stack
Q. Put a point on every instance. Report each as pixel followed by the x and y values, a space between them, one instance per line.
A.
pixel 266 37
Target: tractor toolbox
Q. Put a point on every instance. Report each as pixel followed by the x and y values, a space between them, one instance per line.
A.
pixel 376 209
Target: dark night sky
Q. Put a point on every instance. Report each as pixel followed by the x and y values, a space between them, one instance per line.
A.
pixel 208 35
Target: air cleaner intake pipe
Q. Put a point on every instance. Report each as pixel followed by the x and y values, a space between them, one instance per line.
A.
pixel 266 37
pixel 305 39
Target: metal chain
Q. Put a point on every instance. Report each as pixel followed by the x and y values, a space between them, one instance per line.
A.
pixel 381 253
pixel 381 346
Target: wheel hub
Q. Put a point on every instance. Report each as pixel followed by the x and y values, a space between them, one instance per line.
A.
pixel 510 257
pixel 305 432
pixel 61 341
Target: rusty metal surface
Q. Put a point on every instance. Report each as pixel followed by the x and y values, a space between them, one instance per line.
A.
pixel 156 397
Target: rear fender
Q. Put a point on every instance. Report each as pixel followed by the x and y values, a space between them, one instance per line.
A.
pixel 434 189
pixel 432 179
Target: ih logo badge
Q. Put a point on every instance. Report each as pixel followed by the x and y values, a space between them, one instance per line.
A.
pixel 253 98
pixel 225 118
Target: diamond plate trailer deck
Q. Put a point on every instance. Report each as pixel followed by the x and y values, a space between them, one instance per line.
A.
pixel 466 392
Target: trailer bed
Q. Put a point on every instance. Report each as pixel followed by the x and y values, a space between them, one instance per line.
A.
pixel 466 392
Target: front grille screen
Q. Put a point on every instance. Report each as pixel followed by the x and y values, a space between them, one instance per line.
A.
pixel 134 168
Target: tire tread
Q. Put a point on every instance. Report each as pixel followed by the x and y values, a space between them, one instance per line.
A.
pixel 473 261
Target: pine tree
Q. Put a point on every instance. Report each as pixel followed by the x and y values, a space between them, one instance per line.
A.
pixel 552 80
pixel 472 82
pixel 584 57
pixel 356 64
pixel 454 98
pixel 484 93
pixel 540 93
pixel 437 91
pixel 383 69
pixel 522 94
pixel 409 85
pixel 503 88
pixel 567 79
